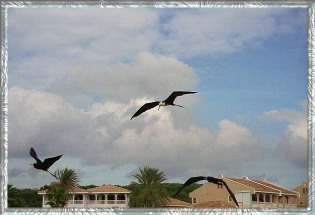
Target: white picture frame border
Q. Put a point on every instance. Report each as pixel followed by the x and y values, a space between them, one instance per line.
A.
pixel 310 4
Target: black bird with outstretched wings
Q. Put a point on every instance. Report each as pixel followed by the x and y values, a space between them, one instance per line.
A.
pixel 169 101
pixel 43 165
pixel 209 179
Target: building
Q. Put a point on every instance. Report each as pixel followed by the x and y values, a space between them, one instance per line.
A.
pixel 175 203
pixel 249 194
pixel 105 196
pixel 214 204
pixel 302 201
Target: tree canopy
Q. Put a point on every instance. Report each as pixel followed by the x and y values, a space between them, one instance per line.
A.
pixel 148 189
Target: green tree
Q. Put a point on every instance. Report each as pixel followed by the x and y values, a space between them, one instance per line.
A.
pixel 58 197
pixel 23 197
pixel 67 181
pixel 172 188
pixel 148 190
pixel 12 196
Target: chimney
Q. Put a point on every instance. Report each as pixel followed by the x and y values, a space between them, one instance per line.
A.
pixel 245 178
pixel 221 176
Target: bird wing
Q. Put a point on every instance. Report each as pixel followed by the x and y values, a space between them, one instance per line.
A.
pixel 217 181
pixel 174 94
pixel 34 155
pixel 50 161
pixel 145 107
pixel 230 192
pixel 189 182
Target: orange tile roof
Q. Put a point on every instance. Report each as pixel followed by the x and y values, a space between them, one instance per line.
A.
pixel 79 190
pixel 264 186
pixel 213 204
pixel 282 189
pixel 257 186
pixel 76 190
pixel 177 203
pixel 101 189
pixel 108 188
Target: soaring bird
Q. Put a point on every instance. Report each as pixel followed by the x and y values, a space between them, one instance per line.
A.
pixel 217 181
pixel 46 164
pixel 166 102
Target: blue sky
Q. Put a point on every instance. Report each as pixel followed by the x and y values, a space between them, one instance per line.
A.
pixel 76 76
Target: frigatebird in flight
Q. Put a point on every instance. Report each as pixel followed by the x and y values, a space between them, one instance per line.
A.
pixel 166 102
pixel 43 165
pixel 210 179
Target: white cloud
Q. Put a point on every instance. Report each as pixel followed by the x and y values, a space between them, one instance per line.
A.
pixel 106 136
pixel 149 74
pixel 111 61
pixel 46 45
pixel 44 120
pixel 231 133
pixel 293 144
pixel 215 31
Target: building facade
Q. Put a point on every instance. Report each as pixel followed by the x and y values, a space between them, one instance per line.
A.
pixel 105 196
pixel 302 201
pixel 249 194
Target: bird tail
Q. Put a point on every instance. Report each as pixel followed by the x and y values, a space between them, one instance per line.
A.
pixel 52 174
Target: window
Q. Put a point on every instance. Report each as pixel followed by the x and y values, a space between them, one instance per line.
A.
pixel 101 197
pixel 305 190
pixel 254 197
pixel 121 197
pixel 194 200
pixel 230 198
pixel 78 197
pixel 91 197
pixel 111 198
pixel 267 198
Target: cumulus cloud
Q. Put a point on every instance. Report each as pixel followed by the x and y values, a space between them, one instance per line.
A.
pixel 99 39
pixel 43 120
pixel 78 75
pixel 58 41
pixel 104 135
pixel 231 133
pixel 148 74
pixel 294 141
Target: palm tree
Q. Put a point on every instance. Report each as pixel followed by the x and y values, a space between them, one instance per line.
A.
pixel 58 198
pixel 150 191
pixel 67 181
